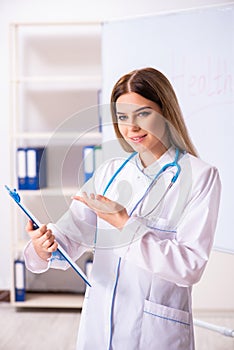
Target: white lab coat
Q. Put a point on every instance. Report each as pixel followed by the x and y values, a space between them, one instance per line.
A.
pixel 142 276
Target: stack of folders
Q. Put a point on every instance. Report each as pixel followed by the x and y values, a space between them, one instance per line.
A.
pixel 31 168
pixel 19 276
pixel 92 159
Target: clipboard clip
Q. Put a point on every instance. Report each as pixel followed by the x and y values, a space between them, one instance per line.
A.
pixel 14 194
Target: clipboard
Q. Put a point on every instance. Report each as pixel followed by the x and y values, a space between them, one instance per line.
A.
pixel 36 224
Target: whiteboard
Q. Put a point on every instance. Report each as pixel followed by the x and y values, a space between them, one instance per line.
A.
pixel 195 50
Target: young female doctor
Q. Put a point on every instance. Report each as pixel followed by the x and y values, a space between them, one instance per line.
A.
pixel 150 219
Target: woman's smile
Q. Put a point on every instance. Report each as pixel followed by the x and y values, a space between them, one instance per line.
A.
pixel 137 139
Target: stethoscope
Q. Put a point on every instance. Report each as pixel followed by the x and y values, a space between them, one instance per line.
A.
pixel 139 203
pixel 167 166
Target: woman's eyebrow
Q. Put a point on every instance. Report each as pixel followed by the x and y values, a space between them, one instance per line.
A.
pixel 136 111
pixel 141 108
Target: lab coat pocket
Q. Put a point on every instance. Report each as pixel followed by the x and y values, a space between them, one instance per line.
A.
pixel 164 328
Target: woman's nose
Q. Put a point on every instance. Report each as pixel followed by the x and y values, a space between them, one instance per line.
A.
pixel 133 124
pixel 134 127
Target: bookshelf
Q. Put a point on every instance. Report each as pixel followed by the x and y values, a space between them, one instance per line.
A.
pixel 55 83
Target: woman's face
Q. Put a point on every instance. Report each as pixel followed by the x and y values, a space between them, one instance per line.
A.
pixel 141 124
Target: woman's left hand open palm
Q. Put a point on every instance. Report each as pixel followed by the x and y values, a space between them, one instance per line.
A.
pixel 106 209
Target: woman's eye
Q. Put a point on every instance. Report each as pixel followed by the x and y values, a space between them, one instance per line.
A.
pixel 122 117
pixel 143 114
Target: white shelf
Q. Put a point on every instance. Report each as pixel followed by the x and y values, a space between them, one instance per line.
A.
pixel 51 300
pixel 85 138
pixel 55 83
pixel 82 82
pixel 66 191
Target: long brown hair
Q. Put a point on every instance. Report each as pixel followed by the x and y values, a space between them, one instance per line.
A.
pixel 153 85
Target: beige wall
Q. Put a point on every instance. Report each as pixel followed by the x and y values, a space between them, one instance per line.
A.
pixel 215 291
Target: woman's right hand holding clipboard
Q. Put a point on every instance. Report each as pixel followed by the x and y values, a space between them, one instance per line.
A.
pixel 43 240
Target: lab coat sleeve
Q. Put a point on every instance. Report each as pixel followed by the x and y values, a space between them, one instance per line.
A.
pixel 74 231
pixel 37 265
pixel 182 259
pixel 32 261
